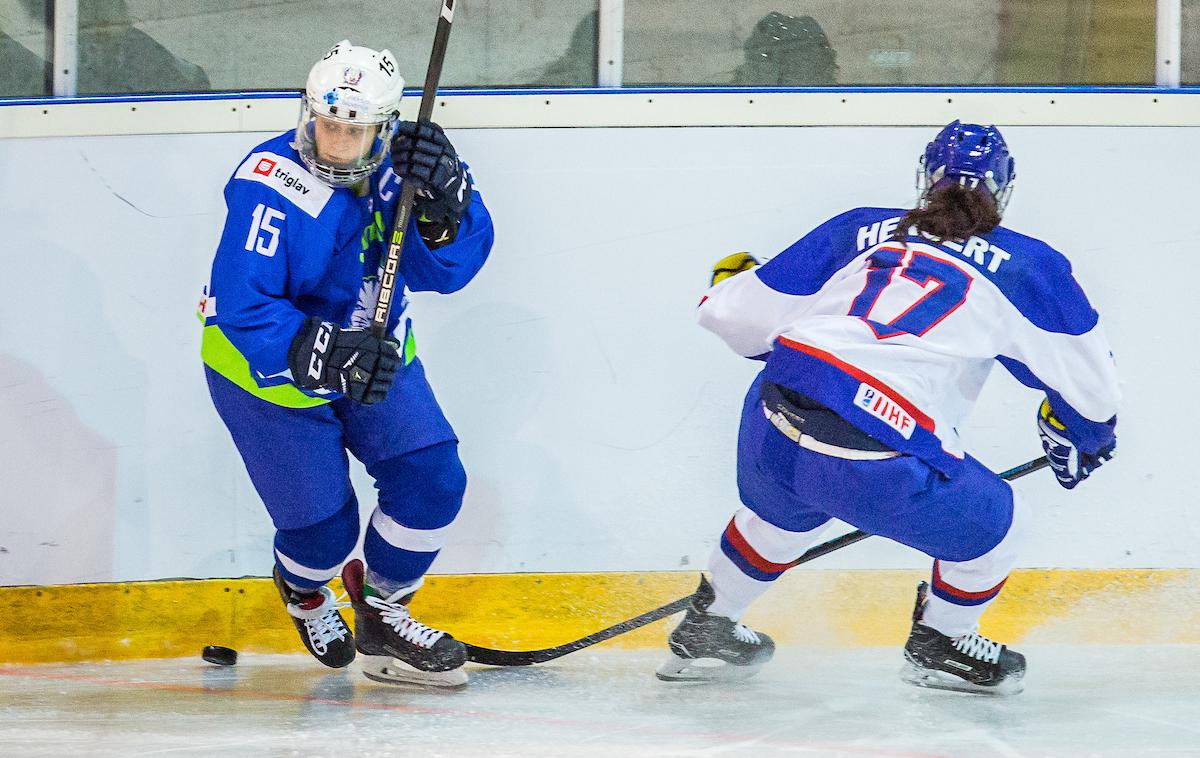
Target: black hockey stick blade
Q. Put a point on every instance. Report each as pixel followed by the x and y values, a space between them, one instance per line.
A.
pixel 490 657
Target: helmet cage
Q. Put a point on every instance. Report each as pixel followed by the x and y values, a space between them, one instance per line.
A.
pixel 376 144
pixel 955 156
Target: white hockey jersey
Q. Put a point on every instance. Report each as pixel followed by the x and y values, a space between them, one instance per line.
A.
pixel 899 338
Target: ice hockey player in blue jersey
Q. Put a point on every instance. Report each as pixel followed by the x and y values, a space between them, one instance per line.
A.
pixel 878 330
pixel 300 381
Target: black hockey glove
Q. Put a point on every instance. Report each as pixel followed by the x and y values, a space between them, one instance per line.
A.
pixel 1070 464
pixel 353 362
pixel 422 154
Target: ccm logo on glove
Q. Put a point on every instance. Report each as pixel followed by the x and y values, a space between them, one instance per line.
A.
pixel 316 366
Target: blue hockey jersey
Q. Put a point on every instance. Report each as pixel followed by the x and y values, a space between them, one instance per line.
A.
pixel 294 247
pixel 899 338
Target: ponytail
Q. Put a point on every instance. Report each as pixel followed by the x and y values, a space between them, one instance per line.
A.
pixel 952 212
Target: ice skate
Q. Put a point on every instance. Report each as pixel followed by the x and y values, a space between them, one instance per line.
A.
pixel 707 648
pixel 398 649
pixel 321 626
pixel 970 663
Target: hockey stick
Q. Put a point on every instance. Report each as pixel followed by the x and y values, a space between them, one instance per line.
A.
pixel 391 266
pixel 490 657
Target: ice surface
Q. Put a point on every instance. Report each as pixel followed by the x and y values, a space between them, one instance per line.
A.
pixel 1079 701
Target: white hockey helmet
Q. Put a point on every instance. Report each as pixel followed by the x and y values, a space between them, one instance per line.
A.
pixel 354 92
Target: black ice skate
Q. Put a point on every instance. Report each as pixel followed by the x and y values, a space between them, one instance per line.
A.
pixel 970 663
pixel 321 626
pixel 398 648
pixel 706 648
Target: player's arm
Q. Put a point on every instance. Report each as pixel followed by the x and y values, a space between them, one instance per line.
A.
pixel 748 305
pixel 250 275
pixel 447 266
pixel 1063 351
pixel 451 233
pixel 741 309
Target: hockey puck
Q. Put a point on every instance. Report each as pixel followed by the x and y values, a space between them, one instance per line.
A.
pixel 222 656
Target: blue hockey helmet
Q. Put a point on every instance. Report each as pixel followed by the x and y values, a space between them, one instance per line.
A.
pixel 971 155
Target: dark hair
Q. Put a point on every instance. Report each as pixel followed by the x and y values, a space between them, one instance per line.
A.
pixel 953 212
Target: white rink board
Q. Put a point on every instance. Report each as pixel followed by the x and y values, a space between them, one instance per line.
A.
pixel 598 422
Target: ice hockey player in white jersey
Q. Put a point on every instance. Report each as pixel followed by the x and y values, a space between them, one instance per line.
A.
pixel 878 330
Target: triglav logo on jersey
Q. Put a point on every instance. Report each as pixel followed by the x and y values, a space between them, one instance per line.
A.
pixel 268 167
pixel 885 409
pixel 288 178
pixel 291 182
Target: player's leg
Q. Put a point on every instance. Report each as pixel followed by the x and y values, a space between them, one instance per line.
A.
pixel 944 649
pixel 300 554
pixel 298 467
pixel 971 524
pixel 410 450
pixel 419 496
pixel 773 528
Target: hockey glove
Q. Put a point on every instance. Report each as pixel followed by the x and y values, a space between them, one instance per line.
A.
pixel 732 265
pixel 353 362
pixel 1070 465
pixel 423 155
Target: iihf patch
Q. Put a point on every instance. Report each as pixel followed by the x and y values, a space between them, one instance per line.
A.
pixel 885 409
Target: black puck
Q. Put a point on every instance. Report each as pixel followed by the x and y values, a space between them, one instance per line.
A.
pixel 222 656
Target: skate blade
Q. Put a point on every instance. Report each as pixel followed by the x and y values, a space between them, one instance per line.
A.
pixel 388 670
pixel 676 669
pixel 942 680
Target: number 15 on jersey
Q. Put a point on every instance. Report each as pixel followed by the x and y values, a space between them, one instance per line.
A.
pixel 264 235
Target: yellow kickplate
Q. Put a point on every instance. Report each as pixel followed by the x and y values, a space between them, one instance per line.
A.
pixel 529 611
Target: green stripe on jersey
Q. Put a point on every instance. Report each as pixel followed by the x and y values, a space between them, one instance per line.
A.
pixel 219 354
